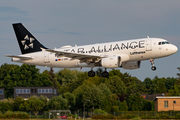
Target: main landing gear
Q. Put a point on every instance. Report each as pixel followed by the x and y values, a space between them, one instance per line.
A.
pixel 103 74
pixel 91 73
pixel 153 68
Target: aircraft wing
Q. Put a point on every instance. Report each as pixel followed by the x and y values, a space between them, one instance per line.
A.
pixel 20 56
pixel 79 56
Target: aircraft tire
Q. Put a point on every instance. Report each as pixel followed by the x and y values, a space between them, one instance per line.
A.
pixel 105 74
pixel 153 68
pixel 91 73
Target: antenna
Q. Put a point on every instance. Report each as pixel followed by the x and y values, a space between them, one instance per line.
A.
pixel 147 36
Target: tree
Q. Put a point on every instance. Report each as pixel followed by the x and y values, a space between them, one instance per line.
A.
pixel 116 85
pixel 106 91
pixel 57 103
pixel 6 105
pixel 162 88
pixel 18 104
pixel 95 80
pixel 123 106
pixel 148 105
pixel 52 78
pixel 135 102
pixel 23 76
pixel 115 109
pixel 70 87
pixel 34 104
pixel 4 69
pixel 45 101
pixel 174 91
pixel 88 92
pixel 70 98
pixel 66 76
pixel 169 82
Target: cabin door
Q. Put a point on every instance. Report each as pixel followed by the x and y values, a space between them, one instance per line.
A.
pixel 148 45
pixel 46 57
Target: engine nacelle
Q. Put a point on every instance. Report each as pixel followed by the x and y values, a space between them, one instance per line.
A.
pixel 110 62
pixel 131 65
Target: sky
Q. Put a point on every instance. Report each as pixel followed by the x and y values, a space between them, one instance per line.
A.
pixel 56 23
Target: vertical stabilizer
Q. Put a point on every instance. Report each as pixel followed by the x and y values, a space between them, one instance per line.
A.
pixel 27 42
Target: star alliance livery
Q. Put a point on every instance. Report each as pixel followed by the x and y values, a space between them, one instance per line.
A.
pixel 121 54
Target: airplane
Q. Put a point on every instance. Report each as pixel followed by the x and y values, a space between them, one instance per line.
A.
pixel 126 54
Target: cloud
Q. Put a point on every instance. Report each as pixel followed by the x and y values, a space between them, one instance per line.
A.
pixel 13 14
pixel 12 10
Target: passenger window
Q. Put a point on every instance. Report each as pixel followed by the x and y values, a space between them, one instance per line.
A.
pixel 159 43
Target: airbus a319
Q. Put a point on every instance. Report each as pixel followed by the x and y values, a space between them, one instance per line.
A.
pixel 126 54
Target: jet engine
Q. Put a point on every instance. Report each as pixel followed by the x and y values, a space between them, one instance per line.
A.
pixel 131 65
pixel 110 62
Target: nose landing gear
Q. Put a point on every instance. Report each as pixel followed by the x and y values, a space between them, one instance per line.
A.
pixel 153 68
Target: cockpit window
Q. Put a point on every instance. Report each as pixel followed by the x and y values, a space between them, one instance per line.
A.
pixel 162 43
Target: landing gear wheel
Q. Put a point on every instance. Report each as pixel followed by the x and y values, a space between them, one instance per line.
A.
pixel 105 74
pixel 153 68
pixel 91 73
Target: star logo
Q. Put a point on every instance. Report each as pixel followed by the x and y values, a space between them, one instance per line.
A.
pixel 27 42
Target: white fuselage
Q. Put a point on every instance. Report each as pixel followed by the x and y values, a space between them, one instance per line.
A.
pixel 136 50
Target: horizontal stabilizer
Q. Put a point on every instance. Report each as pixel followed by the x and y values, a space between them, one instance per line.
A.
pixel 19 56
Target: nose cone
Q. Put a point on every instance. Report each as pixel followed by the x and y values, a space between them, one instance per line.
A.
pixel 174 49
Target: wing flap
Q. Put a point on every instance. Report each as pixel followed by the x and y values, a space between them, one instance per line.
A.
pixel 79 56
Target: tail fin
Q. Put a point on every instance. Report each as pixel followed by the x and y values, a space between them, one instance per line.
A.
pixel 27 42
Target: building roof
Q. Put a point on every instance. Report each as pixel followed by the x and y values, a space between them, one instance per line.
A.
pixel 152 96
pixel 166 97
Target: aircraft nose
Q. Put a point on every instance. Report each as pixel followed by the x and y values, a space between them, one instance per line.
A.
pixel 174 49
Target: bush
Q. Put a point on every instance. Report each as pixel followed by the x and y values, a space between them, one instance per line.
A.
pixel 108 116
pixel 177 116
pixel 71 115
pixel 129 116
pixel 1 115
pixel 18 115
pixel 164 116
pixel 148 117
pixel 8 115
pixel 99 112
pixel 6 105
pixel 115 109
